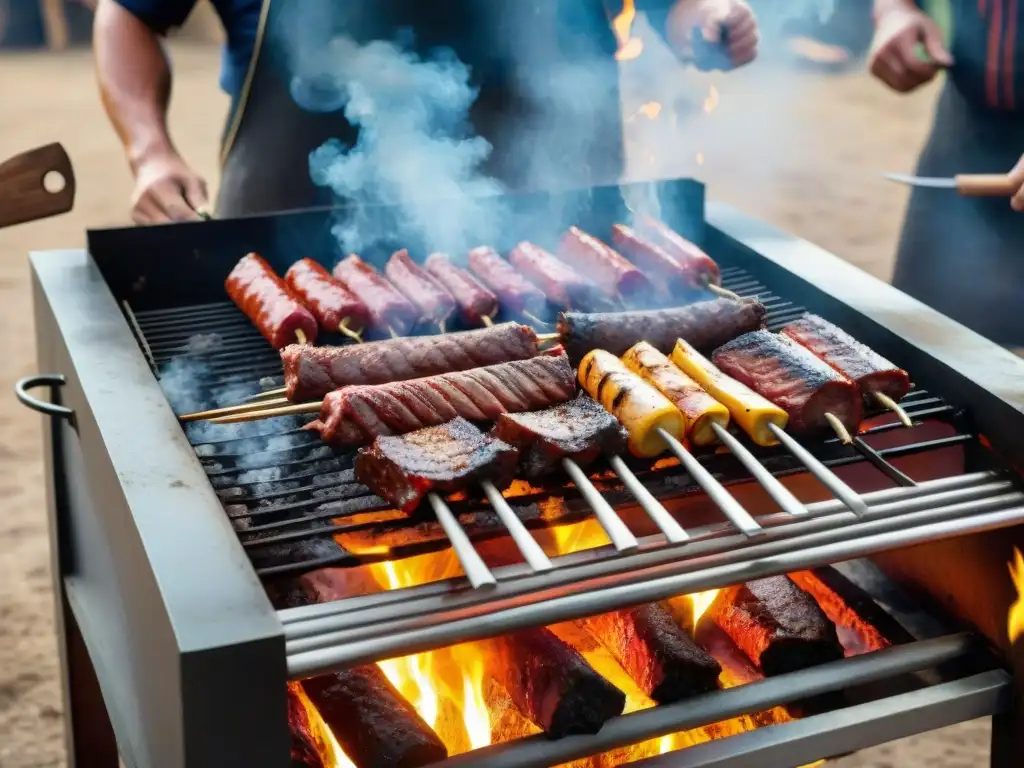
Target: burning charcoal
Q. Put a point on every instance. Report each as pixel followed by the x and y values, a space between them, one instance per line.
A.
pixel 778 625
pixel 553 685
pixel 374 725
pixel 307 747
pixel 231 494
pixel 656 652
pixel 580 430
pixel 451 457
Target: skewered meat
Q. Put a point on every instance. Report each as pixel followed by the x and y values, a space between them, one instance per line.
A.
pixel 306 746
pixel 330 302
pixel 357 415
pixel 374 725
pixel 699 408
pixel 475 302
pixel 436 305
pixel 655 262
pixel 516 294
pixel 782 371
pixel 552 684
pixel 389 310
pixel 638 406
pixel 777 625
pixel 706 325
pixel 752 412
pixel 689 256
pixel 656 652
pixel 562 285
pixel 443 459
pixel 869 370
pixel 580 430
pixel 268 302
pixel 606 267
pixel 311 372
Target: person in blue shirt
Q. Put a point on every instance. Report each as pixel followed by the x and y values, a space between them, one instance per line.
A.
pixel 269 136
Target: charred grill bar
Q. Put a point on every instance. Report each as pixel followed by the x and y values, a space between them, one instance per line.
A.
pixel 163 615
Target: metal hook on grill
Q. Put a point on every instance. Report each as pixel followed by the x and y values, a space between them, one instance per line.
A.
pixel 476 569
pixel 825 476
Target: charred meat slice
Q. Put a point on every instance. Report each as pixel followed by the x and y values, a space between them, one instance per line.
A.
pixel 374 725
pixel 580 430
pixel 868 369
pixel 777 625
pixel 656 652
pixel 552 684
pixel 779 369
pixel 443 459
pixel 705 325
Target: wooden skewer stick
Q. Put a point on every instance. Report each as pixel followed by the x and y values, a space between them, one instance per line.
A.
pixel 344 329
pixel 887 402
pixel 441 328
pixel 233 409
pixel 301 336
pixel 839 429
pixel 725 293
pixel 488 321
pixel 269 413
pixel 393 332
pixel 534 319
pixel 267 393
pixel 544 338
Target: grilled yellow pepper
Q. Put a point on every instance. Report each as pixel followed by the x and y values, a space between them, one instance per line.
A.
pixel 699 409
pixel 640 408
pixel 752 412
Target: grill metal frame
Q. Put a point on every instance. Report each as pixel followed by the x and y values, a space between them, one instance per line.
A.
pixel 157 603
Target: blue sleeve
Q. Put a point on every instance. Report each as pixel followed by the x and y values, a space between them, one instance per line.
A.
pixel 159 15
pixel 657 13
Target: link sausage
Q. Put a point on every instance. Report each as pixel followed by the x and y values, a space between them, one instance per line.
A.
pixel 558 281
pixel 475 302
pixel 516 294
pixel 690 257
pixel 436 305
pixel 389 309
pixel 330 302
pixel 606 267
pixel 268 302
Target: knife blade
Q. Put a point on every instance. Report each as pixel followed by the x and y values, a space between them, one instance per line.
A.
pixel 967 184
pixel 23 193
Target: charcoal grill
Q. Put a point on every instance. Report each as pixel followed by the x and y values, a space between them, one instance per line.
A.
pixel 173 655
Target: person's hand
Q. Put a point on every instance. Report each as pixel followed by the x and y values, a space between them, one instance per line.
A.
pixel 166 190
pixel 731 22
pixel 901 31
pixel 1017 182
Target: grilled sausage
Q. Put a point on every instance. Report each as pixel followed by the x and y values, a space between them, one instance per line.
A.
pixel 331 303
pixel 607 268
pixel 269 303
pixel 752 412
pixel 690 257
pixel 699 408
pixel 638 406
pixel 436 305
pixel 516 294
pixel 389 309
pixel 562 285
pixel 655 262
pixel 475 302
pixel 706 325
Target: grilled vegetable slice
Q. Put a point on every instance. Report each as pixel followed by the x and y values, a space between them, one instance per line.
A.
pixel 751 411
pixel 699 408
pixel 638 406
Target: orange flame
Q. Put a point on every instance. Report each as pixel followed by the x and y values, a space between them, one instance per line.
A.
pixel 650 110
pixel 701 602
pixel 629 47
pixel 1015 619
pixel 700 158
pixel 328 747
pixel 711 100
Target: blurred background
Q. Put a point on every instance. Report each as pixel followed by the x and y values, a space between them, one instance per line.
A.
pixel 798 139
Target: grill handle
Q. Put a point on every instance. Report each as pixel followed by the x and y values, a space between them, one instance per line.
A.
pixel 51 380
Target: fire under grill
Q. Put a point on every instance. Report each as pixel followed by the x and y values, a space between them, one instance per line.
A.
pixel 169 539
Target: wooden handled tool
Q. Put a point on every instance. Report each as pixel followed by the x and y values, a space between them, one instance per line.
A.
pixel 23 193
pixel 966 184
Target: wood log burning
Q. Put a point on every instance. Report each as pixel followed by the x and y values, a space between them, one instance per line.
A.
pixel 552 684
pixel 779 626
pixel 306 749
pixel 373 723
pixel 656 652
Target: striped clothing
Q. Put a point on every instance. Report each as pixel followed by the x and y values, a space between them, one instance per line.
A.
pixel 989 57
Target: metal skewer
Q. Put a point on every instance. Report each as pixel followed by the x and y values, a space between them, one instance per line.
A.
pixel 476 569
pixel 780 493
pixel 667 524
pixel 731 508
pixel 825 476
pixel 620 536
pixel 528 546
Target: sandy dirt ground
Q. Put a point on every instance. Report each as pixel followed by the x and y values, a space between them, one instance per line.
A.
pixel 806 161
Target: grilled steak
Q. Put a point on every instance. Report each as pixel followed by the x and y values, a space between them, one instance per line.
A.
pixel 656 652
pixel 779 369
pixel 357 415
pixel 580 430
pixel 311 372
pixel 777 625
pixel 450 457
pixel 705 325
pixel 868 369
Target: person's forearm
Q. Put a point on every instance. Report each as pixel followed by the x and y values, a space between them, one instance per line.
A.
pixel 134 80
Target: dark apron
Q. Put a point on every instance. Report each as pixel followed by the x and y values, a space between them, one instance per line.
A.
pixel 536 132
pixel 965 256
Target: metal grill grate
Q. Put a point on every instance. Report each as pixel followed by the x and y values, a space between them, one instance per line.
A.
pixel 287 494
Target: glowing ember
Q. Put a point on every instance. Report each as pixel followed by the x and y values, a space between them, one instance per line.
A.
pixel 330 751
pixel 629 47
pixel 701 602
pixel 700 158
pixel 711 101
pixel 650 110
pixel 1015 619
